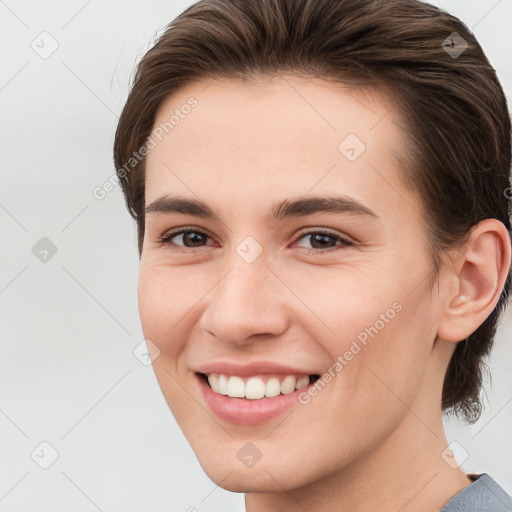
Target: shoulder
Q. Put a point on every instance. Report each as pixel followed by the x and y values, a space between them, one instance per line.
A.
pixel 483 495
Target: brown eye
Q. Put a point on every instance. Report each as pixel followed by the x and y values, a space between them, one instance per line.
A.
pixel 187 238
pixel 192 238
pixel 321 242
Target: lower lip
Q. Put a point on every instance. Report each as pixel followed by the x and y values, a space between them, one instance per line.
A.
pixel 245 411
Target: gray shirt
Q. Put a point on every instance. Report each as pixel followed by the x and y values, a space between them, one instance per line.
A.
pixel 483 495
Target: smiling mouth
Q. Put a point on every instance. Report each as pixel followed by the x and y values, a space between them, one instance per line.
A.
pixel 258 386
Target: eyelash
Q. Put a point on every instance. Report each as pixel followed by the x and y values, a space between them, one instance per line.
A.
pixel 166 240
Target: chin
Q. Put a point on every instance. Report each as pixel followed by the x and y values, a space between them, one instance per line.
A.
pixel 252 480
pixel 273 476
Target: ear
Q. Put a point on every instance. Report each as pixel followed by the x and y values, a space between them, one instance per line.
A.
pixel 474 280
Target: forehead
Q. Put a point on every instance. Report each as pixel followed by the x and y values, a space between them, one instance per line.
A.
pixel 273 133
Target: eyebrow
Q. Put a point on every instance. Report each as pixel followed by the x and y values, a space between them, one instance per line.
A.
pixel 287 208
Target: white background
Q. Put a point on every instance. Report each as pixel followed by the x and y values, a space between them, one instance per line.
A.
pixel 68 374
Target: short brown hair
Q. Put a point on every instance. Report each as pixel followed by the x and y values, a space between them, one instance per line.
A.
pixel 452 106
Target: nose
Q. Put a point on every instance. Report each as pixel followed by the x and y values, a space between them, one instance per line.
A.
pixel 247 304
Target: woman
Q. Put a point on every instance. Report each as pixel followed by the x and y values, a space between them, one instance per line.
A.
pixel 321 190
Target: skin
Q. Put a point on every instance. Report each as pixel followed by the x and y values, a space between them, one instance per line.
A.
pixel 373 438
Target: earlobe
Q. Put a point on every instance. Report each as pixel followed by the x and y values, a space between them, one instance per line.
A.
pixel 479 273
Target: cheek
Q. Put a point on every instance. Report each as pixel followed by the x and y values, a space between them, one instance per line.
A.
pixel 381 344
pixel 163 310
pixel 393 350
pixel 164 301
pixel 166 312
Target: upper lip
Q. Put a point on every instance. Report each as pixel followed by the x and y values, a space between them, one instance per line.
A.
pixel 254 368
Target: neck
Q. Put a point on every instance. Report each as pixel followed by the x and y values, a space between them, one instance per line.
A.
pixel 407 472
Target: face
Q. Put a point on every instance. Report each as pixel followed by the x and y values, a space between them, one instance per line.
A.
pixel 280 245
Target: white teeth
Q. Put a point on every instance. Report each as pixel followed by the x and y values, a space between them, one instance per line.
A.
pixel 302 382
pixel 213 380
pixel 223 385
pixel 236 387
pixel 273 388
pixel 255 388
pixel 288 385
